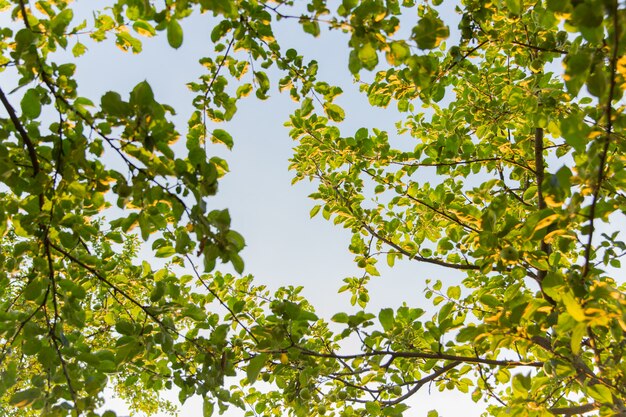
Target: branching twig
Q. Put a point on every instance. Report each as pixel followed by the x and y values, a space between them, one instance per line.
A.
pixel 608 112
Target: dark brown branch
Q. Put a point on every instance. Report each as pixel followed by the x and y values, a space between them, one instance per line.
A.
pixel 463 162
pixel 219 299
pixel 145 309
pixel 30 147
pixel 417 257
pixel 541 202
pixel 423 355
pixel 488 386
pixel 427 205
pixel 66 373
pixel 539 167
pixel 608 112
pixel 577 409
pixel 210 85
pixel 419 384
pixel 539 48
pixel 463 58
pixel 24 14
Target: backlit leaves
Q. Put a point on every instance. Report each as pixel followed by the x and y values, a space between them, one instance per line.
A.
pixel 504 166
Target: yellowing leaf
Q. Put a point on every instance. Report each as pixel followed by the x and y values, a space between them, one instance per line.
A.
pixel 144 28
pixel 573 307
pixel 577 336
pixel 546 221
pixel 600 393
pixel 334 112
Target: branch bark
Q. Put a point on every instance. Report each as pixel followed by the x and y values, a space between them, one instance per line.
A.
pixel 608 114
pixel 424 355
pixel 30 147
pixel 570 411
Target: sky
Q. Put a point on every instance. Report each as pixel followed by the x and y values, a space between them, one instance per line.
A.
pixel 284 246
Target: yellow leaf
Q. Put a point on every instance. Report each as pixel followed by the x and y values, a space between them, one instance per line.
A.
pixel 577 337
pixel 546 221
pixel 573 306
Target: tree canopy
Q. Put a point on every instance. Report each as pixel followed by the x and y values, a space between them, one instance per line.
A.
pixel 524 129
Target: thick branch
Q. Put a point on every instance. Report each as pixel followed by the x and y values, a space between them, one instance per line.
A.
pixel 538 48
pixel 541 202
pixel 539 167
pixel 462 162
pixel 419 384
pixel 570 411
pixel 417 257
pixel 423 355
pixel 425 204
pixel 30 147
pixel 608 114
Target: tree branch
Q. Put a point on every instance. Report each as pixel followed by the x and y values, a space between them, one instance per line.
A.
pixel 423 355
pixel 570 411
pixel 417 257
pixel 419 384
pixel 608 112
pixel 145 309
pixel 30 147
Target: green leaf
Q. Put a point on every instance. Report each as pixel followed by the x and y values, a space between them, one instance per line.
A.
pixel 340 318
pixel 25 397
pixel 454 292
pixel 391 259
pixel 254 367
pixel 220 30
pixel 237 262
pixel 165 252
pixel 600 393
pixel 489 300
pixel 207 407
pixel 112 104
pixel 334 112
pixel 157 292
pixel 430 32
pixel 194 312
pixel 398 52
pixel 558 5
pixel 79 49
pixel 368 56
pixel 59 23
pixel 514 6
pixel 124 327
pixel 577 337
pixel 573 307
pixel 311 27
pixel 174 34
pixel 142 95
pixel 314 210
pixel 144 28
pixel 31 104
pixel 373 408
pixel 386 318
pixel 222 136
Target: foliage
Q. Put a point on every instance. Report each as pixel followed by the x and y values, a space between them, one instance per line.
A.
pixel 529 160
